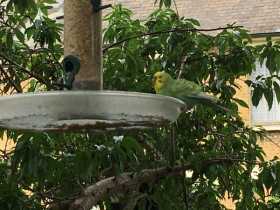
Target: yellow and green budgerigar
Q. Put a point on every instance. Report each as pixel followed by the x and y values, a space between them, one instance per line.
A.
pixel 188 91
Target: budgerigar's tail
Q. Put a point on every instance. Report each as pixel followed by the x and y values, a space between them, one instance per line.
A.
pixel 205 99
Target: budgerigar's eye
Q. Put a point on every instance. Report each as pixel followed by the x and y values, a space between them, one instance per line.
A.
pixel 159 77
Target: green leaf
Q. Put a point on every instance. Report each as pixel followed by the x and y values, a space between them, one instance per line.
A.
pixel 194 21
pixel 19 35
pixel 268 94
pixel 277 91
pixel 257 95
pixel 9 39
pixel 241 102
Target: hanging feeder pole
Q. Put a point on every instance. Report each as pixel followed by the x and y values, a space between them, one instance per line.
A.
pixel 83 39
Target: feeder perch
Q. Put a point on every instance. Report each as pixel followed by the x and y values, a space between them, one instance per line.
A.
pixel 87 110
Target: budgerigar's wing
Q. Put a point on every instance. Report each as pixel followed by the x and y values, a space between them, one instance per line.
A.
pixel 183 88
pixel 191 93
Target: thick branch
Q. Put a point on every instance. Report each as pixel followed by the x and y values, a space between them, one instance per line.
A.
pixel 178 30
pixel 127 181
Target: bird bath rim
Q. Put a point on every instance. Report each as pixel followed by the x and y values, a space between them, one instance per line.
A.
pixel 87 110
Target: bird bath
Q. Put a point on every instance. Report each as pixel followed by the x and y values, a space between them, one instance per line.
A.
pixel 87 110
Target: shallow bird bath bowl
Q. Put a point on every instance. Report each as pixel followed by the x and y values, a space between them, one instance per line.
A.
pixel 87 110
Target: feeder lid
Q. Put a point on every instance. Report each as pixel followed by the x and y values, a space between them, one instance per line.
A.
pixel 87 110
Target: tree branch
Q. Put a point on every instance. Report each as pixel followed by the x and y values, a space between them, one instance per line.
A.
pixel 179 30
pixel 150 147
pixel 128 181
pixel 30 73
pixel 11 81
pixel 43 49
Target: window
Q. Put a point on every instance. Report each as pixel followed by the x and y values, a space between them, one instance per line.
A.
pixel 261 115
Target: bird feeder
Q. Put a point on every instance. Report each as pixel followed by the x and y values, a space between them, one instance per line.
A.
pixel 86 106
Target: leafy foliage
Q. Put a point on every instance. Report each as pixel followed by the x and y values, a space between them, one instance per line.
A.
pixel 30 46
pixel 48 171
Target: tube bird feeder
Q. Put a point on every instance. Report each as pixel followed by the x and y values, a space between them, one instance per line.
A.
pixel 83 38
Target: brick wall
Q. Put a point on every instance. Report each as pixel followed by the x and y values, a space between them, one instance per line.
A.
pixel 259 16
pixel 271 145
pixel 243 93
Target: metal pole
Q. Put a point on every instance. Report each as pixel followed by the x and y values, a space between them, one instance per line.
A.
pixel 83 38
